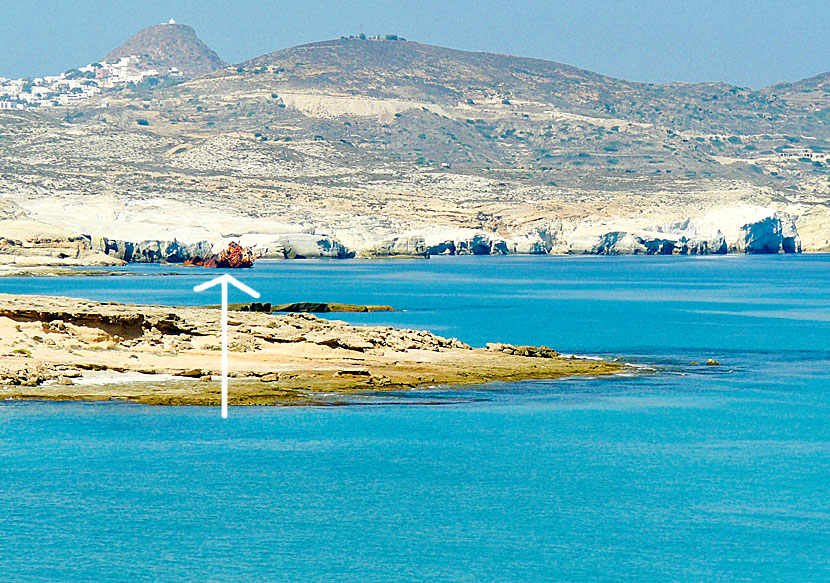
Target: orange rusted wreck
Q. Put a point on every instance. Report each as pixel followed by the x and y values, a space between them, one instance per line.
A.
pixel 235 256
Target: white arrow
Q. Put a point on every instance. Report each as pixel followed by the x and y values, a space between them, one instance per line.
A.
pixel 224 280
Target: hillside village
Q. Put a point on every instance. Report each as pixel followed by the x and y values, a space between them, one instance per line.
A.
pixel 77 85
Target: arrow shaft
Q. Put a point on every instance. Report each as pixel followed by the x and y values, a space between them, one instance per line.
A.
pixel 224 280
pixel 224 350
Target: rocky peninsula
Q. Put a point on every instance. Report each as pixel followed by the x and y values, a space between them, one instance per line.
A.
pixel 55 348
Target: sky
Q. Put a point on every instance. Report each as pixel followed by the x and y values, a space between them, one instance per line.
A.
pixel 751 43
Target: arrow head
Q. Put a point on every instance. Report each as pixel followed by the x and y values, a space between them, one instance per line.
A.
pixel 241 286
pixel 224 280
pixel 209 284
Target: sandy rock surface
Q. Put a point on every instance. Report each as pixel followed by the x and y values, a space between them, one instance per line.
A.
pixel 60 348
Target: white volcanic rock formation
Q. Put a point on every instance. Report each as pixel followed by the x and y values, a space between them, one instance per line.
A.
pixel 755 229
pixel 402 246
pixel 743 229
pixel 26 242
pixel 295 246
pixel 143 232
pixel 151 251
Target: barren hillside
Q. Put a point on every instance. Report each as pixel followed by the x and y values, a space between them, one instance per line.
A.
pixel 391 146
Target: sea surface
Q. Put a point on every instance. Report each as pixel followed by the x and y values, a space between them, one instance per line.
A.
pixel 691 473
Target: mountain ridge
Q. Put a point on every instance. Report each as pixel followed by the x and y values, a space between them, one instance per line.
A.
pixel 334 41
pixel 376 145
pixel 170 45
pixel 410 70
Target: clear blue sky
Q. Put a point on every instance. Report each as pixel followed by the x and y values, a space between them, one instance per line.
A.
pixel 746 42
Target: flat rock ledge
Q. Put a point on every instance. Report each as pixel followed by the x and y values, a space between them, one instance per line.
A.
pixel 54 348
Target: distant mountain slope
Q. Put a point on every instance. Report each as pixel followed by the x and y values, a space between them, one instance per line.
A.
pixel 418 71
pixel 368 140
pixel 409 70
pixel 403 102
pixel 170 45
pixel 812 93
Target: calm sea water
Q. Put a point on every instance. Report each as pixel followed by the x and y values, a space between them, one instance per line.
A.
pixel 692 474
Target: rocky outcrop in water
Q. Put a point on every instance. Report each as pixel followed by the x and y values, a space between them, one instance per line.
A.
pixel 401 246
pixel 683 238
pixel 482 244
pixel 304 246
pixel 770 235
pixel 752 230
pixel 31 243
pixel 791 241
pixel 688 237
pixel 478 243
pixel 539 238
pixel 618 243
pixel 151 251
pixel 765 236
pixel 277 359
pixel 448 247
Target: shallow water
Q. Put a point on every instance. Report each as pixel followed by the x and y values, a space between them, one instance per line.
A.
pixel 692 474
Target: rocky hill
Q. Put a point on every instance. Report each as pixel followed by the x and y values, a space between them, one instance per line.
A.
pixel 381 147
pixel 412 71
pixel 170 45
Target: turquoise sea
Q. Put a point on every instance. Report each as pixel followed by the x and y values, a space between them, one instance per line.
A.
pixel 694 473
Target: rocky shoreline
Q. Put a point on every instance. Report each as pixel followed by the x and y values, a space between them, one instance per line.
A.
pixel 54 348
pixel 752 230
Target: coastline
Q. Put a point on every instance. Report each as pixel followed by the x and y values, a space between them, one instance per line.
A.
pixel 59 349
pixel 51 270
